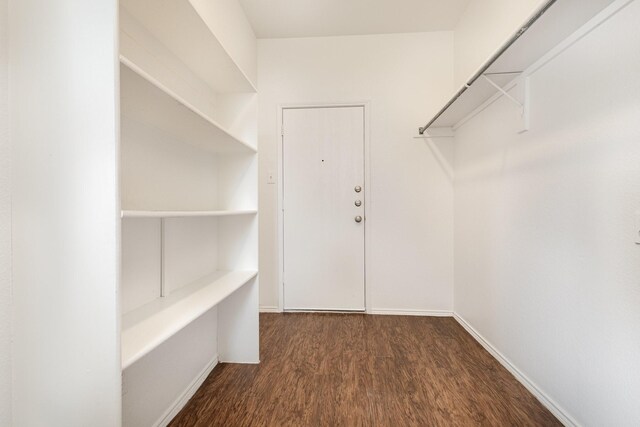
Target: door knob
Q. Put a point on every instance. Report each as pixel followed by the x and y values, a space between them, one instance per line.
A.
pixel 358 218
pixel 358 189
pixel 358 203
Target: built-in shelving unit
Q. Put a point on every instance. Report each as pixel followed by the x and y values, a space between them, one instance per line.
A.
pixel 147 327
pixel 188 189
pixel 519 56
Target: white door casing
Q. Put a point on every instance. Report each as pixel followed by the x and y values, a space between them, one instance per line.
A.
pixel 323 156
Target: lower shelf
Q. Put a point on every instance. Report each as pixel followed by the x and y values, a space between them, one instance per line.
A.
pixel 147 327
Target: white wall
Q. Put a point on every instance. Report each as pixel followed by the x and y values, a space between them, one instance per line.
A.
pixel 545 262
pixel 483 28
pixel 5 227
pixel 63 74
pixel 156 168
pixel 409 214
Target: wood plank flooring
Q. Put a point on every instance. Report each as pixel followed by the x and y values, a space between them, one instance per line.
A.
pixel 363 370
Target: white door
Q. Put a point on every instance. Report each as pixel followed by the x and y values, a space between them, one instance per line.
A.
pixel 323 201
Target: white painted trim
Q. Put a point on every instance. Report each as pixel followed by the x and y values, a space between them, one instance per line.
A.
pixel 182 400
pixel 603 16
pixel 367 190
pixel 270 309
pixel 403 312
pixel 368 203
pixel 561 414
pixel 280 237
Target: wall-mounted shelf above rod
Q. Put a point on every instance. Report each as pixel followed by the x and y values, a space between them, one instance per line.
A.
pixel 555 21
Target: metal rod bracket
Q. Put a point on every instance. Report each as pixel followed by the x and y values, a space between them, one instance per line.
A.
pixel 523 106
pixel 504 92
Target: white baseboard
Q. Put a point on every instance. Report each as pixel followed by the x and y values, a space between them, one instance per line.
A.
pixel 269 309
pixel 384 311
pixel 402 312
pixel 549 403
pixel 182 400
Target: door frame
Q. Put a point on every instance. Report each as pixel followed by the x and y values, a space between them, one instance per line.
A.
pixel 367 190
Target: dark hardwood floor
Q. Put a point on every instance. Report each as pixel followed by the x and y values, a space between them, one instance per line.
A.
pixel 362 370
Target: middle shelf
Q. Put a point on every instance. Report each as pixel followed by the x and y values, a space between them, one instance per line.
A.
pixel 146 327
pixel 184 214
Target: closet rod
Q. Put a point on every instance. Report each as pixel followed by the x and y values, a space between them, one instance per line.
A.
pixel 490 62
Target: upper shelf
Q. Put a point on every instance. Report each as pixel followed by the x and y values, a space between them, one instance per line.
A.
pixel 554 22
pixel 147 327
pixel 147 101
pixel 177 24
